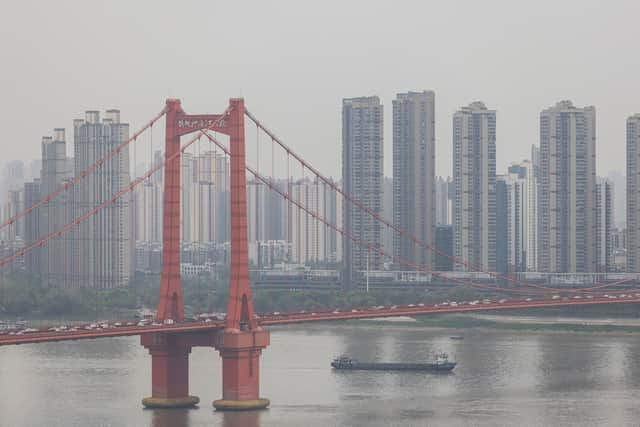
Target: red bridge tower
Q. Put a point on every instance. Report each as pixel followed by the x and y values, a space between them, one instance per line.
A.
pixel 242 341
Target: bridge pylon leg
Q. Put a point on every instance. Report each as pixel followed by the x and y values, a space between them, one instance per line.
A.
pixel 169 372
pixel 240 351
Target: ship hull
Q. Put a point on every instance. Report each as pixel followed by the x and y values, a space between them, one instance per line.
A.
pixel 363 366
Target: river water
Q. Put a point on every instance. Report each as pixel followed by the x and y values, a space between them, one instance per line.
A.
pixel 503 378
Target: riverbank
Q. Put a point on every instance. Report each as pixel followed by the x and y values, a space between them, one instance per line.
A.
pixel 518 323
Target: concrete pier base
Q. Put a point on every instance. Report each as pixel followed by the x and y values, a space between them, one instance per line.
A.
pixel 240 351
pixel 171 402
pixel 240 405
pixel 169 372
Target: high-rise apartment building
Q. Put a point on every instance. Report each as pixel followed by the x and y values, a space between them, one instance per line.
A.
pixel 362 174
pixel 312 241
pixel 308 235
pixel 12 199
pixel 15 205
pixel 103 247
pixel 474 180
pixel 444 245
pixel 147 204
pixel 56 258
pixel 633 194
pixel 388 233
pixel 511 217
pixel 264 210
pixel 207 210
pixel 533 191
pixel 13 178
pixel 444 200
pixel 307 239
pixel 187 198
pixel 268 220
pixel 199 196
pixel 204 198
pixel 414 178
pixel 604 202
pixel 32 260
pixel 566 232
pixel 14 174
pixel 516 218
pixel 147 226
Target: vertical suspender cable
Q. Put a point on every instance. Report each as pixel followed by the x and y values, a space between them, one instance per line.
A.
pixel 303 217
pixel 289 219
pixel 134 201
pixel 257 190
pixel 151 149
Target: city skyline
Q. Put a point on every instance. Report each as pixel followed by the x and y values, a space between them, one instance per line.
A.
pixel 192 195
pixel 201 169
pixel 442 148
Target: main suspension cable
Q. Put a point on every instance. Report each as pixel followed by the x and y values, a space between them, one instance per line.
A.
pixel 69 183
pixel 400 230
pixel 113 199
pixel 374 248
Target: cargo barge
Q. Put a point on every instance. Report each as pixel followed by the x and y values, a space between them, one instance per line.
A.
pixel 441 364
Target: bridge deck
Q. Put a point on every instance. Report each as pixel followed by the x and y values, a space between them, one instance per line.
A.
pixel 303 317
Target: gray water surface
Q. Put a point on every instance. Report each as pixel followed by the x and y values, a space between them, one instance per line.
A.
pixel 503 378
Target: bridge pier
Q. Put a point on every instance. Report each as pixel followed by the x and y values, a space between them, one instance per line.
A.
pixel 169 372
pixel 240 352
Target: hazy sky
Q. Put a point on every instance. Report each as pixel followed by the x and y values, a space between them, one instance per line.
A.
pixel 294 61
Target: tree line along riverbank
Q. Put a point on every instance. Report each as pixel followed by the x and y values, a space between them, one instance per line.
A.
pixel 23 295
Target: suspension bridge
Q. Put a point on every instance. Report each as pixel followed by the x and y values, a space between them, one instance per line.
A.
pixel 241 336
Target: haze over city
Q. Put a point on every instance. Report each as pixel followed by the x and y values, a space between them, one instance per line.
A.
pixel 344 213
pixel 295 61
